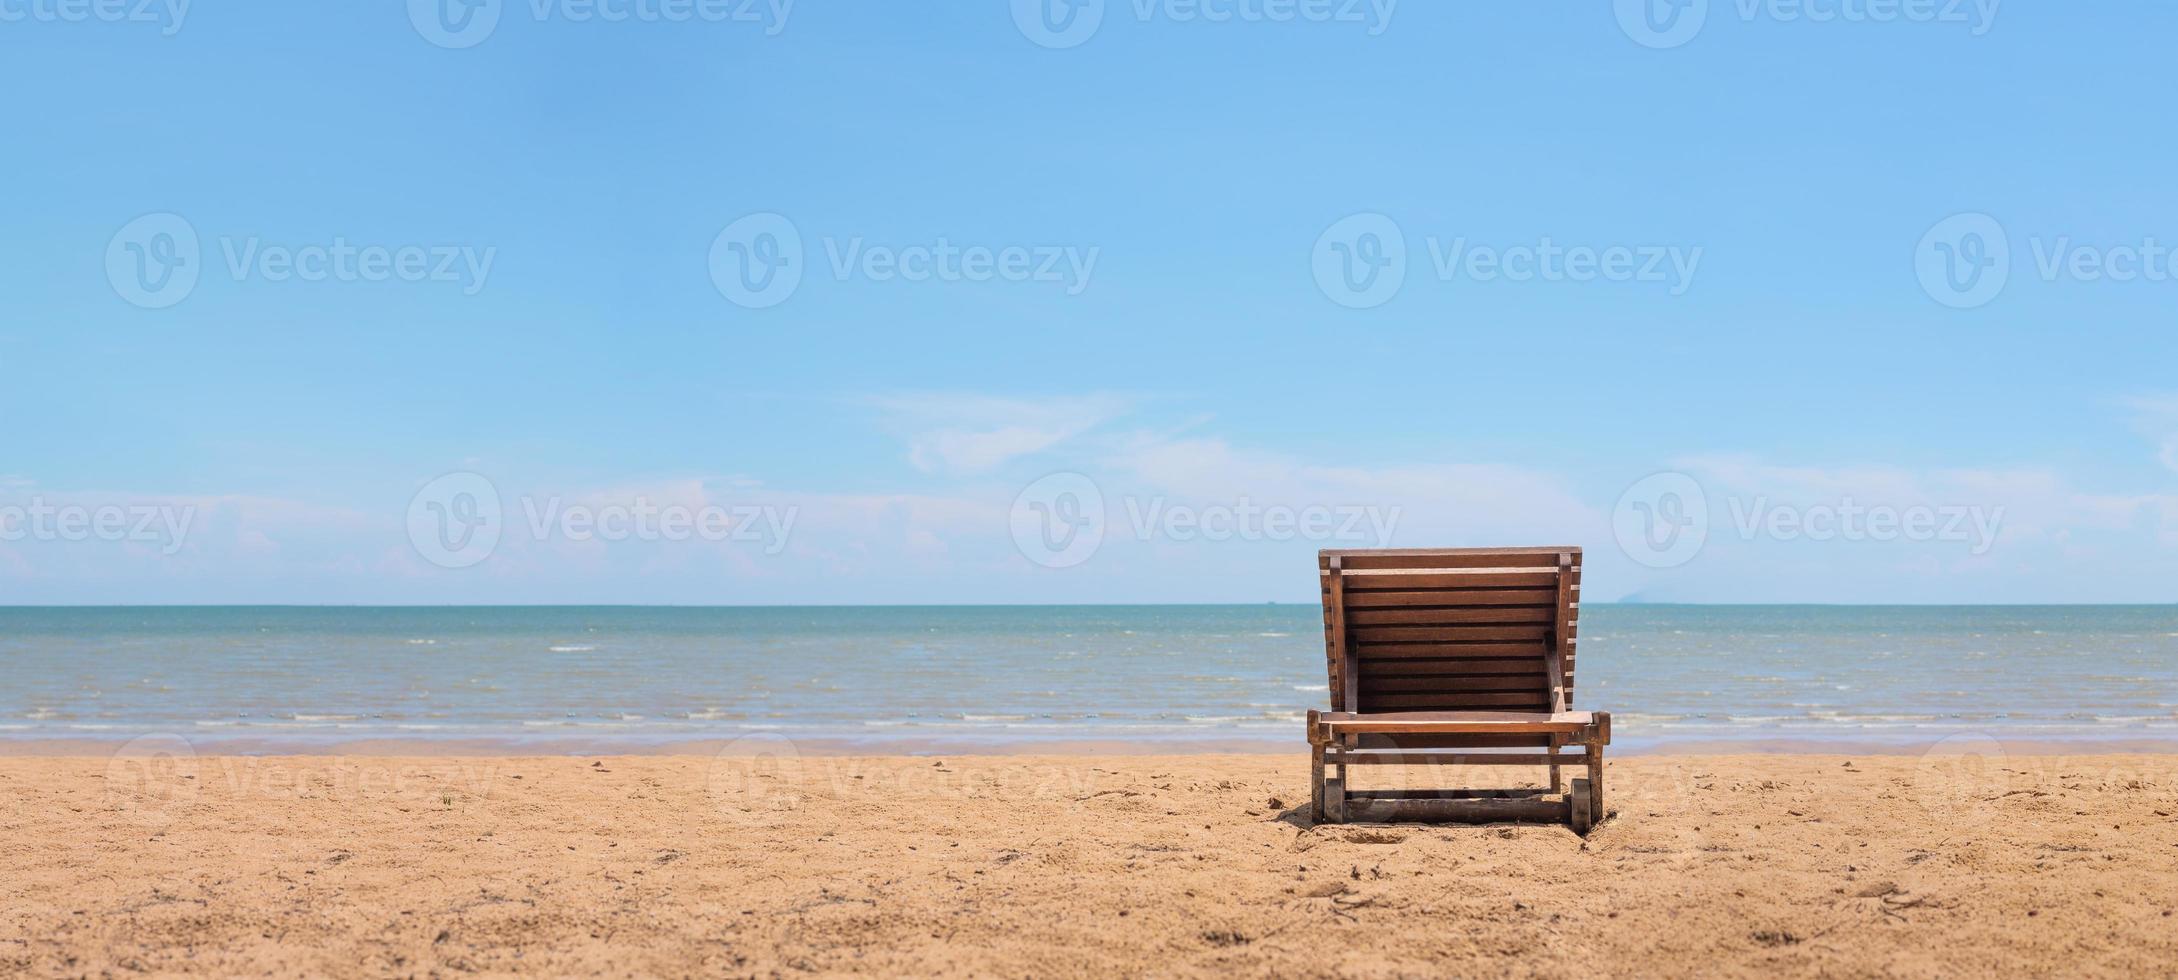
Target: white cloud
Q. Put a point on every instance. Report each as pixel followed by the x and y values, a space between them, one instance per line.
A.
pixel 2157 417
pixel 2022 535
pixel 2054 540
pixel 968 433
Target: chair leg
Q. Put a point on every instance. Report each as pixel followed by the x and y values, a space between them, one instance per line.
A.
pixel 1315 782
pixel 1595 774
pixel 1334 787
pixel 1555 743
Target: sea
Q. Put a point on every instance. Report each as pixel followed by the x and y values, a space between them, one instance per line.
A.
pixel 1019 675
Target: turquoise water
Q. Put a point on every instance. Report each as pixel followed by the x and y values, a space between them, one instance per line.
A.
pixel 1013 673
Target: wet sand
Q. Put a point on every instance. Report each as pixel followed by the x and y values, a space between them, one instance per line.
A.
pixel 1975 859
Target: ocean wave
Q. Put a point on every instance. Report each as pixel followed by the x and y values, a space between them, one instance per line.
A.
pixel 570 649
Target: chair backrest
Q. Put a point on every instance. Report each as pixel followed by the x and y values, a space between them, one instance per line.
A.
pixel 1451 629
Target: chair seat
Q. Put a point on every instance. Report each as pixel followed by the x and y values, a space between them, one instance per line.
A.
pixel 1456 722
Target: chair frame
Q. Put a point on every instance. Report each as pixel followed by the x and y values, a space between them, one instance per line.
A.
pixel 1345 737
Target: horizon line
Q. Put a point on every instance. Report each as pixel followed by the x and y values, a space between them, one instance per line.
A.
pixel 1020 605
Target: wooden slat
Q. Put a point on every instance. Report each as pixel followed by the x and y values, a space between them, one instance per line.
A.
pixel 1538 810
pixel 1419 702
pixel 1349 677
pixel 1412 741
pixel 1363 599
pixel 1494 615
pixel 1447 651
pixel 1447 634
pixel 1461 722
pixel 1457 759
pixel 1444 557
pixel 1410 579
pixel 1513 793
pixel 1529 682
pixel 1411 668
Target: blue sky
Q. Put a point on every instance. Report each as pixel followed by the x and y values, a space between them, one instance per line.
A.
pixel 570 329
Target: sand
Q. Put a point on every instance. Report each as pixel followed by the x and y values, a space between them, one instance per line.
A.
pixel 1970 861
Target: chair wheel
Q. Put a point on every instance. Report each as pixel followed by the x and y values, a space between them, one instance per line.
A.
pixel 1579 806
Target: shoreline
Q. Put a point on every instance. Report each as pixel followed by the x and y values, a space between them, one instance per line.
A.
pixel 768 743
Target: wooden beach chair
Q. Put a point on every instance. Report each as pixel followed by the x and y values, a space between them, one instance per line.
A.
pixel 1454 656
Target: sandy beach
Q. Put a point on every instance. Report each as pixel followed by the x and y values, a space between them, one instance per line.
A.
pixel 1968 861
